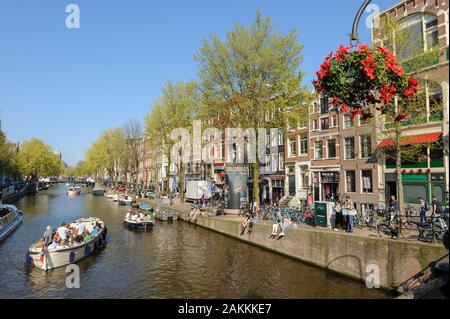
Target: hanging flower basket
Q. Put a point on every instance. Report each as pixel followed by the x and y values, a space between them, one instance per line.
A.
pixel 359 78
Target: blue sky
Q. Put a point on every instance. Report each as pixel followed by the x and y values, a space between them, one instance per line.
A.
pixel 65 86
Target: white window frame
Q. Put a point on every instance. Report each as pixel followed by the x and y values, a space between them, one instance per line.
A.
pixel 345 148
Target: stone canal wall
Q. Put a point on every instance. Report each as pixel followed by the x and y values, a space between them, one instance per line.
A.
pixel 402 264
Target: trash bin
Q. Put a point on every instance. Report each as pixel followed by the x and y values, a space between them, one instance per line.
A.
pixel 322 214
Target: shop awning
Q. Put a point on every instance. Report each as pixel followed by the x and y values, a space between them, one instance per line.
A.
pixel 425 138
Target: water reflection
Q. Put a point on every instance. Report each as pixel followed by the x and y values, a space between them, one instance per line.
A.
pixel 171 261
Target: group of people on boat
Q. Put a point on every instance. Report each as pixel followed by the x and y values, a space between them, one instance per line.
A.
pixel 139 217
pixel 67 235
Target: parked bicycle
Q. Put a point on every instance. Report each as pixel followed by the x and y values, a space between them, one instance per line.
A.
pixel 395 225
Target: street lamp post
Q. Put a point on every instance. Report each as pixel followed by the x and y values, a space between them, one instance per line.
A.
pixel 354 37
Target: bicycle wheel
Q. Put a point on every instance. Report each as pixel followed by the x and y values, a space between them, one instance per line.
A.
pixel 384 231
pixel 409 231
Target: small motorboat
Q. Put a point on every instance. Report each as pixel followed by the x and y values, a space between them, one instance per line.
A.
pixel 109 195
pixel 98 191
pixel 10 219
pixel 125 200
pixel 146 223
pixel 166 215
pixel 146 207
pixel 54 257
pixel 74 191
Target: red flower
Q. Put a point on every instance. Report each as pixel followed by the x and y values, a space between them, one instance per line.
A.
pixel 369 64
pixel 355 113
pixel 413 84
pixel 409 92
pixel 335 100
pixel 366 116
pixel 401 117
pixel 392 66
pixel 342 52
pixel 317 86
pixel 411 171
pixel 429 170
pixel 386 94
pixel 345 108
pixel 403 171
pixel 363 47
pixel 420 171
pixel 384 51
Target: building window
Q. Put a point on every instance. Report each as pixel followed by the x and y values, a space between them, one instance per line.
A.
pixel 315 125
pixel 350 147
pixel 324 106
pixel 367 181
pixel 324 123
pixel 280 161
pixel 331 145
pixel 366 146
pixel 318 148
pixel 421 33
pixel 304 175
pixel 304 144
pixel 292 147
pixel 350 178
pixel 348 122
pixel 334 121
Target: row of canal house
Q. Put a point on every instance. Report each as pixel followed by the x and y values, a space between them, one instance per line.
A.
pixel 333 156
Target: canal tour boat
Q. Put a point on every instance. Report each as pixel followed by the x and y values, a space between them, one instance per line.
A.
pixel 139 224
pixel 10 219
pixel 59 256
pixel 74 191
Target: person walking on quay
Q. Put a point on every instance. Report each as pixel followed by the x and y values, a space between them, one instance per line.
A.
pixel 436 207
pixel 423 210
pixel 351 212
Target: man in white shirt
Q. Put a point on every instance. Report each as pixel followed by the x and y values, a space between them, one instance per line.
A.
pixel 80 229
pixel 63 232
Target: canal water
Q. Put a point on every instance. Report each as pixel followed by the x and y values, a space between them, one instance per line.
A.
pixel 175 260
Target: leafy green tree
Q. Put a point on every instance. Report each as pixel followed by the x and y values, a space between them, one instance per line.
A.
pixel 37 159
pixel 252 79
pixel 178 106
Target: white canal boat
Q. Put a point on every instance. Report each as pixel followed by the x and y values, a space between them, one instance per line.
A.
pixel 10 219
pixel 74 191
pixel 50 258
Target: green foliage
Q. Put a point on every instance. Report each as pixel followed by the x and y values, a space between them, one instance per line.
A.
pixel 8 157
pixel 37 158
pixel 252 78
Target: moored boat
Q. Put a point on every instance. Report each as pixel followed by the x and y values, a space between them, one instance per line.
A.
pixel 10 219
pixel 58 256
pixel 125 200
pixel 109 195
pixel 146 207
pixel 98 191
pixel 166 215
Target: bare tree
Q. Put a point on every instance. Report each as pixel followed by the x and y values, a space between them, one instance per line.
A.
pixel 134 135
